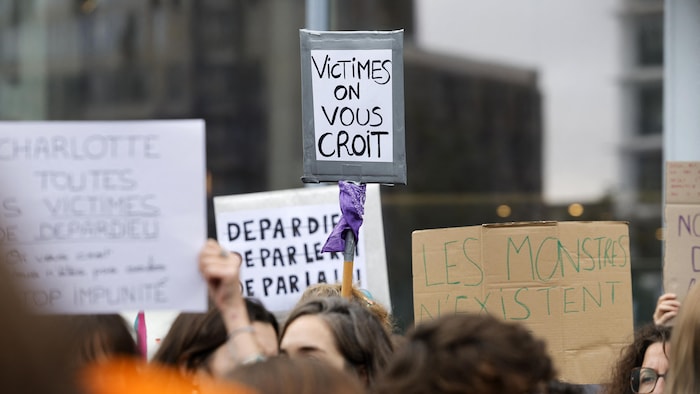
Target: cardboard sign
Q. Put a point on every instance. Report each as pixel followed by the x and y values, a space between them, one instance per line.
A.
pixel 280 235
pixel 352 105
pixel 569 282
pixel 99 217
pixel 682 216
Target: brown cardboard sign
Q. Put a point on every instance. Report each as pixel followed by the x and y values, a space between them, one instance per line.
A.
pixel 682 219
pixel 569 282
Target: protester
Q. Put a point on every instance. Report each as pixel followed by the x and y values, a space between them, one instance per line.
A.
pixel 685 347
pixel 87 341
pixel 286 375
pixel 93 338
pixel 362 297
pixel 643 364
pixel 476 354
pixel 197 341
pixel 203 346
pixel 339 332
pixel 666 309
pixel 30 361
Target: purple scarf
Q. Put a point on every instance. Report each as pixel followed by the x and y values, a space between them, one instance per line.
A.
pixel 352 206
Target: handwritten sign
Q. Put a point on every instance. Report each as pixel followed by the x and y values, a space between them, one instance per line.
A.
pixel 682 216
pixel 100 217
pixel 280 235
pixel 352 99
pixel 352 87
pixel 569 282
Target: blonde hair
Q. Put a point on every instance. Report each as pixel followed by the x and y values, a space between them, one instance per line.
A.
pixel 333 290
pixel 684 359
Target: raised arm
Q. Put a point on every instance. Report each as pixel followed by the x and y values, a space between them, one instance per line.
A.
pixel 666 309
pixel 221 270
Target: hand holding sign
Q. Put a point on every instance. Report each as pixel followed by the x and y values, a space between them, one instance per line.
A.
pixel 666 309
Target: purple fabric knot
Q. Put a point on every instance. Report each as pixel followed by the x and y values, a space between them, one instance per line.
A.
pixel 352 207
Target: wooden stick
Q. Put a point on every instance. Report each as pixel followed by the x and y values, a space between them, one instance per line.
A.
pixel 349 255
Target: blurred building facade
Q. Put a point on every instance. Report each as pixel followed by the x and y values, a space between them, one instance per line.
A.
pixel 474 130
pixel 473 144
pixel 640 198
pixel 134 59
pixel 635 80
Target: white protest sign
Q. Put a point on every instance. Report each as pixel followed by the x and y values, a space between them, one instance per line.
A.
pixel 280 234
pixel 100 217
pixel 352 92
pixel 353 106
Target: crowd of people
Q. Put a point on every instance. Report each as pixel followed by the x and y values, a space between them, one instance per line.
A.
pixel 327 344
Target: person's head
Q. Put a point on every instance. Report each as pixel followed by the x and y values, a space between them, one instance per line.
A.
pixel 194 338
pixel 298 375
pixel 340 333
pixel 360 296
pixel 648 350
pixel 87 341
pixel 476 354
pixel 685 346
pixel 97 338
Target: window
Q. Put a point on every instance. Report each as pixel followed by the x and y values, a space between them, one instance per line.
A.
pixel 650 40
pixel 649 177
pixel 650 109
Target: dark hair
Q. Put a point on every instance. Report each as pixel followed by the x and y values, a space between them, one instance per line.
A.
pixel 633 355
pixel 359 335
pixel 258 312
pixel 476 354
pixel 96 336
pixel 193 337
pixel 83 340
pixel 285 375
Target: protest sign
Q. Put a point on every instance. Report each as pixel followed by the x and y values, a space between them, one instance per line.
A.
pixel 682 216
pixel 280 234
pixel 352 106
pixel 569 282
pixel 99 217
